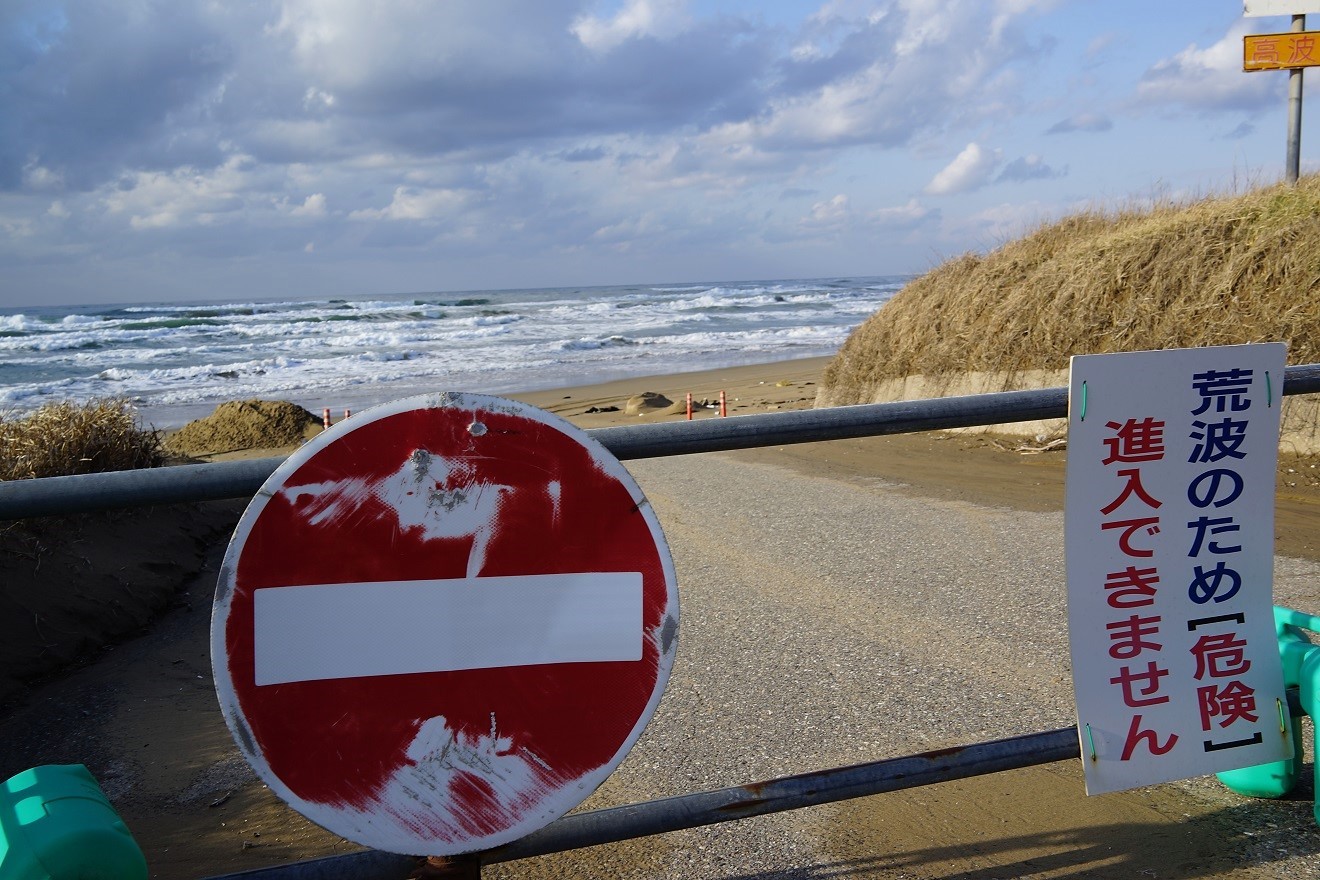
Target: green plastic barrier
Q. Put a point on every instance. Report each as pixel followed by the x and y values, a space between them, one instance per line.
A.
pixel 1301 669
pixel 57 824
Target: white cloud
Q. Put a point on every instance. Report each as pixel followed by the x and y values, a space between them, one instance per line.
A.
pixel 849 10
pixel 315 99
pixel 1209 79
pixel 41 179
pixel 1029 167
pixel 699 164
pixel 991 227
pixel 76 114
pixel 901 216
pixel 661 19
pixel 880 73
pixel 969 170
pixel 836 215
pixel 375 58
pixel 16 227
pixel 1084 121
pixel 625 232
pixel 828 214
pixel 1101 43
pixel 415 204
pixel 181 197
pixel 312 206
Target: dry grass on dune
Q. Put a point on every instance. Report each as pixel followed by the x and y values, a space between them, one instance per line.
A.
pixel 67 438
pixel 1212 272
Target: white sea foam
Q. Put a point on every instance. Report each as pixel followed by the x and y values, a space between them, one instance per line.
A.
pixel 178 360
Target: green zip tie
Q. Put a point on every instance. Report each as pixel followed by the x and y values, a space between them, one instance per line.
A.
pixel 1084 397
pixel 1089 738
pixel 1269 390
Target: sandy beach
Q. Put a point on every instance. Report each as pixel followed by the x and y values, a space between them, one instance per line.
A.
pixel 842 602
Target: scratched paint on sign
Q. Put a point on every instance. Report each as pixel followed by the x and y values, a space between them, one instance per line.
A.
pixel 489 782
pixel 464 492
pixel 443 496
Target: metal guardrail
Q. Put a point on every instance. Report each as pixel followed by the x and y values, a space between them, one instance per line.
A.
pixel 708 808
pixel 64 495
pixel 614 824
pixel 55 496
pixel 52 496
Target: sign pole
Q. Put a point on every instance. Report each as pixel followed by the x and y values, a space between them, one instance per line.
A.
pixel 1292 51
pixel 1295 112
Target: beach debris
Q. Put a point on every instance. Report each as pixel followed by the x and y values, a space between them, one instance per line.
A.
pixel 600 409
pixel 1049 446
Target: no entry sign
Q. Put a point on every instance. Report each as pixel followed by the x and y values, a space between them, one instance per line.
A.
pixel 440 625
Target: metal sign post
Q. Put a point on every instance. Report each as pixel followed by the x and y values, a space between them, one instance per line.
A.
pixel 1295 112
pixel 1292 51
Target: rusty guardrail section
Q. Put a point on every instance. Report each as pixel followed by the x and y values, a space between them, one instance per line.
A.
pixel 63 495
pixel 54 496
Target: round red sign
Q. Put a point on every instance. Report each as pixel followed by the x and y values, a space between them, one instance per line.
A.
pixel 441 624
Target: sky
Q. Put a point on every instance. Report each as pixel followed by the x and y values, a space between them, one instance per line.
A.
pixel 160 150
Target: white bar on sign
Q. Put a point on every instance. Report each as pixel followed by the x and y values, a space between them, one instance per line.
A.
pixel 323 631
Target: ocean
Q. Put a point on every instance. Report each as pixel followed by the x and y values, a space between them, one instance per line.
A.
pixel 176 361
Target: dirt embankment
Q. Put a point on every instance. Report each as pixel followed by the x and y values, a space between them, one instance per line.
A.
pixel 245 424
pixel 69 586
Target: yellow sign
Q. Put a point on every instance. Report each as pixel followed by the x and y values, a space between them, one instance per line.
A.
pixel 1281 51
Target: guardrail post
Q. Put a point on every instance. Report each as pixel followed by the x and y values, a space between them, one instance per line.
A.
pixel 464 867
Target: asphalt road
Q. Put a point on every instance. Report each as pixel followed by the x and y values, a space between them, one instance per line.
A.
pixel 827 623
